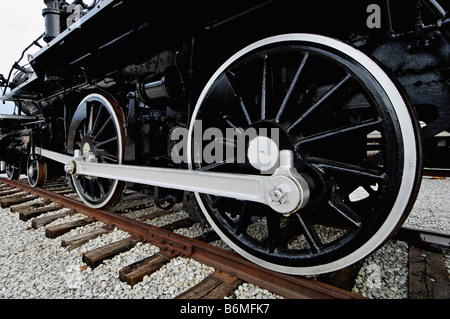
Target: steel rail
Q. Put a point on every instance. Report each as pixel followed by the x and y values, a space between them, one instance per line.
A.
pixel 423 237
pixel 292 287
pixel 436 173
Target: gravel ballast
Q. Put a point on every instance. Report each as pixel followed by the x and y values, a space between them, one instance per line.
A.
pixel 35 267
pixel 384 273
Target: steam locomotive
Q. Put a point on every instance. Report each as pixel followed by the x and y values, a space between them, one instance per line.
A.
pixel 297 130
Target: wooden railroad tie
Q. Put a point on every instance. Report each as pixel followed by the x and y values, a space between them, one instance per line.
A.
pixel 61 184
pixel 13 200
pixel 428 276
pixel 135 273
pixel 80 239
pixel 215 286
pixel 159 213
pixel 5 187
pixel 133 208
pixel 27 206
pixel 10 192
pixel 343 278
pixel 95 257
pixel 65 192
pixel 45 220
pixel 32 213
pixel 182 223
pixel 61 229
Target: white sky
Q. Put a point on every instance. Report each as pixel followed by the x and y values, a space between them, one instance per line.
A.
pixel 21 22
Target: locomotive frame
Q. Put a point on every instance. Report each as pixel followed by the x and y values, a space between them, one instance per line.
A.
pixel 341 89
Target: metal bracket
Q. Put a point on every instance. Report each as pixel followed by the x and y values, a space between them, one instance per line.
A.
pixel 168 243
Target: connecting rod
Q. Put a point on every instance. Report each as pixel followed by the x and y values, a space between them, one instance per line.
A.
pixel 286 191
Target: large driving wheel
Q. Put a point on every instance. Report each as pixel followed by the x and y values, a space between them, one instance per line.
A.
pixel 354 137
pixel 97 130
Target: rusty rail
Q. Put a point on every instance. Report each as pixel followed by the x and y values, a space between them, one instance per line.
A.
pixel 436 173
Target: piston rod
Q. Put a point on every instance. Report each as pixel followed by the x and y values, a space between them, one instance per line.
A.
pixel 285 191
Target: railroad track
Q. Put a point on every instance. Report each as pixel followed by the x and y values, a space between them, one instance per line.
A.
pixel 436 173
pixel 231 270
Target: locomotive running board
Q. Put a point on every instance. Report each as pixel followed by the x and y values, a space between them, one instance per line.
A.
pixel 285 191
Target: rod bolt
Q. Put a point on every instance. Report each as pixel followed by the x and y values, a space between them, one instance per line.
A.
pixel 277 195
pixel 70 167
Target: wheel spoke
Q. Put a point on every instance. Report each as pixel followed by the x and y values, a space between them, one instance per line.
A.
pixel 264 91
pixel 338 131
pixel 216 165
pixel 85 130
pixel 345 212
pixel 231 124
pixel 90 112
pixel 93 192
pixel 244 109
pixel 110 158
pixel 216 201
pixel 228 87
pixel 109 120
pixel 333 91
pixel 101 188
pixel 291 90
pixel 310 234
pixel 245 218
pixel 114 139
pixel 273 228
pixel 97 119
pixel 355 170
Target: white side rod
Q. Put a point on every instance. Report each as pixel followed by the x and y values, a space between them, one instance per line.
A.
pixel 239 186
pixel 244 187
pixel 285 191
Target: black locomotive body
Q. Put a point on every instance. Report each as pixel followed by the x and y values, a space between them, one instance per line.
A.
pixel 358 89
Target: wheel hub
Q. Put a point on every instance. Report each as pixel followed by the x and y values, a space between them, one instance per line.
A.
pixel 87 146
pixel 263 153
pixel 31 170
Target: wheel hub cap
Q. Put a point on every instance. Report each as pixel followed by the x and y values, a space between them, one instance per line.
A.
pixel 263 154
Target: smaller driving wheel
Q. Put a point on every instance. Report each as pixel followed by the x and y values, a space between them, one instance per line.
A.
pixel 12 171
pixel 36 172
pixel 97 130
